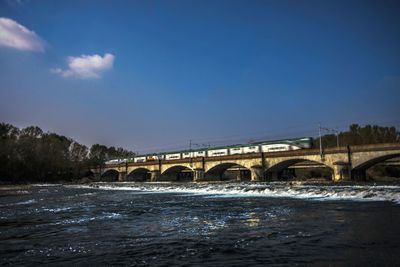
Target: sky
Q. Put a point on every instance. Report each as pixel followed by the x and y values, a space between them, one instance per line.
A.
pixel 152 75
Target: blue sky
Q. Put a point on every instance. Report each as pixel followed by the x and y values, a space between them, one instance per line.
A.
pixel 152 75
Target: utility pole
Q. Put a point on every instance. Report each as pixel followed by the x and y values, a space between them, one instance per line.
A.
pixel 190 151
pixel 337 136
pixel 320 142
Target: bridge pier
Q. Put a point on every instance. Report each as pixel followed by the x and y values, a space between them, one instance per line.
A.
pixel 198 175
pixel 341 171
pixel 244 175
pixel 155 176
pixel 257 174
pixel 238 176
pixel 121 176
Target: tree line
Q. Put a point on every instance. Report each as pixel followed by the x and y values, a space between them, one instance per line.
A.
pixel 31 155
pixel 357 135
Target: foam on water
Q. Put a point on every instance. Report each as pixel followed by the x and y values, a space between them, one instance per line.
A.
pixel 313 192
pixel 88 219
pixel 55 210
pixel 45 185
pixel 30 201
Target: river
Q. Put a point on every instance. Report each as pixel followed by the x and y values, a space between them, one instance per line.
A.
pixel 171 224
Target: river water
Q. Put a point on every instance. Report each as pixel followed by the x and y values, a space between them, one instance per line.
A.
pixel 170 224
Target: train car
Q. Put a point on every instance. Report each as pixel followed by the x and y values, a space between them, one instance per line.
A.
pixel 278 147
pixel 200 153
pixel 301 143
pixel 140 159
pixel 235 150
pixel 173 156
pixel 154 157
pixel 306 142
pixel 253 148
pixel 187 154
pixel 217 152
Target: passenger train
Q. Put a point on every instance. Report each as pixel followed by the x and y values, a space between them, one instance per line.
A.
pixel 266 146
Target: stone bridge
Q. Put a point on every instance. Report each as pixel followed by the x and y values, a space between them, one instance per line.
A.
pixel 349 162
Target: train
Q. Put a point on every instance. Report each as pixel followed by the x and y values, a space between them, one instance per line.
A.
pixel 265 147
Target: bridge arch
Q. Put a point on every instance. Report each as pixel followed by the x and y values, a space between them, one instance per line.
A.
pixel 178 173
pixel 228 171
pixel 139 175
pixel 110 175
pixel 359 171
pixel 281 169
pixel 375 160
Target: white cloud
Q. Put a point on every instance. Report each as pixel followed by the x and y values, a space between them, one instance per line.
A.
pixel 87 66
pixel 13 34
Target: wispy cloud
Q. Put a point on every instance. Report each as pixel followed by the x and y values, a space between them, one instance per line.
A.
pixel 87 66
pixel 14 35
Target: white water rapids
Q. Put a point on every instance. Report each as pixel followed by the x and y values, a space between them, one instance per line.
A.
pixel 278 189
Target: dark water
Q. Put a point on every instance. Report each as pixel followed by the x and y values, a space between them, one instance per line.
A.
pixel 196 225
